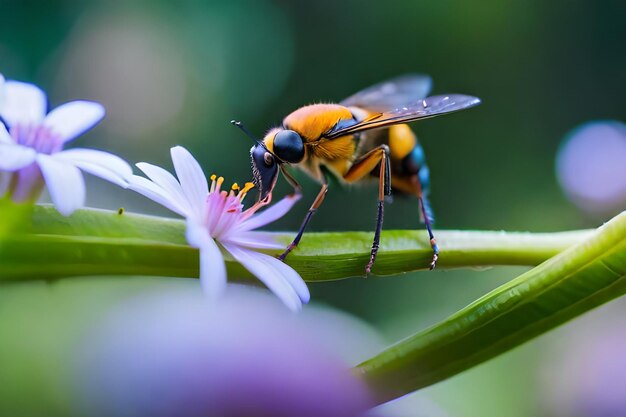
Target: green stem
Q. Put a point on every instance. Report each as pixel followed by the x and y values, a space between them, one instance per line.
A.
pixel 569 284
pixel 100 242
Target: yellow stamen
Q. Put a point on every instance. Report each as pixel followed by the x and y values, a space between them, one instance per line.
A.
pixel 233 190
pixel 220 181
pixel 213 177
pixel 247 187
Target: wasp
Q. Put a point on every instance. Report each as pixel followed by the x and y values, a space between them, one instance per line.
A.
pixel 364 136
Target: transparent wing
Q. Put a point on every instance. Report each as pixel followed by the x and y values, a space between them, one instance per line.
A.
pixel 391 93
pixel 416 110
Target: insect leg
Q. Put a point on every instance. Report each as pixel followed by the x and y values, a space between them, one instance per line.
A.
pixel 425 214
pixel 297 188
pixel 364 166
pixel 316 203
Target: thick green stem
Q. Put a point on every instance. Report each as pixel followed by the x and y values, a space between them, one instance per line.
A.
pixel 99 242
pixel 569 284
pixel 583 270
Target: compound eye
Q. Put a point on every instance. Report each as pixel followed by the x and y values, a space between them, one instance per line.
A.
pixel 289 146
pixel 268 159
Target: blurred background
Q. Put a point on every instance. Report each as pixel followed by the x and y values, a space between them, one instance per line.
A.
pixel 533 157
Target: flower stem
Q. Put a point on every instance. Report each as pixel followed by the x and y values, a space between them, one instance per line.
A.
pixel 101 242
pixel 583 277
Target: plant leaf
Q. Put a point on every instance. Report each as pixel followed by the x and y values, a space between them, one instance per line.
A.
pixel 567 285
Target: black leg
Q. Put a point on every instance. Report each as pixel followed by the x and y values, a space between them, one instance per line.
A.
pixel 362 167
pixel 427 223
pixel 433 242
pixel 318 202
pixel 384 188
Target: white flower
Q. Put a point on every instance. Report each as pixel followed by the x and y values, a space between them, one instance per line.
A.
pixel 31 144
pixel 214 215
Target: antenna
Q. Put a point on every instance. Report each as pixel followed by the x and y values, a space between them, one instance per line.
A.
pixel 244 130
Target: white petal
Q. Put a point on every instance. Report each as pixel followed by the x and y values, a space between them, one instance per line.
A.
pixel 270 214
pixel 212 266
pixel 65 183
pixel 5 137
pixel 101 172
pixel 23 103
pixel 71 119
pixel 155 193
pixel 101 164
pixel 105 159
pixel 256 240
pixel 196 234
pixel 14 157
pixel 168 183
pixel 293 278
pixel 191 178
pixel 266 271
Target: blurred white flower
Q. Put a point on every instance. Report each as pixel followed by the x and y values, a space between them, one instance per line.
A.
pixel 214 215
pixel 591 167
pixel 31 144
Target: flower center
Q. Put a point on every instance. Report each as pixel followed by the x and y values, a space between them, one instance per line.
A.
pixel 224 210
pixel 39 137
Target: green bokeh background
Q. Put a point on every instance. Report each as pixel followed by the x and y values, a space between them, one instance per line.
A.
pixel 177 72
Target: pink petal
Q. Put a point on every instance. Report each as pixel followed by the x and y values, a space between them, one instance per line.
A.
pixel 270 214
pixel 263 267
pixel 74 118
pixel 23 103
pixel 65 183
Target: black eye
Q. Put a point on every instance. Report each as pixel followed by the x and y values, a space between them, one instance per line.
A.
pixel 268 159
pixel 288 146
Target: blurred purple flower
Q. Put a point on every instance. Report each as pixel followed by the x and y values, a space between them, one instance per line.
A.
pixel 31 144
pixel 591 167
pixel 214 215
pixel 586 376
pixel 168 355
pixel 603 385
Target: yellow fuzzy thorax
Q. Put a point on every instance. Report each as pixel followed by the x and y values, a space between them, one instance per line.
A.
pixel 312 121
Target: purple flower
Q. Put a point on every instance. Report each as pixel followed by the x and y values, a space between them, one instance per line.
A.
pixel 584 373
pixel 214 215
pixel 31 148
pixel 591 167
pixel 172 354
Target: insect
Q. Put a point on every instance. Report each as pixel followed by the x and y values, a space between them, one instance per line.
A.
pixel 364 136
